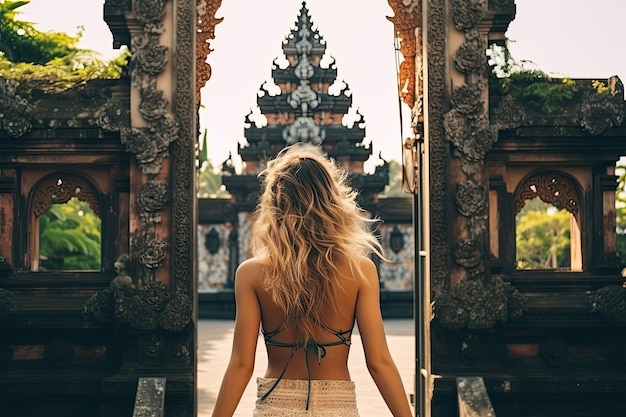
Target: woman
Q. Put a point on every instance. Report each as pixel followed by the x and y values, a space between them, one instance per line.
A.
pixel 307 283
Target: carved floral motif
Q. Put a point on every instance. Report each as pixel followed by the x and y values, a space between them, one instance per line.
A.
pixel 59 189
pixel 552 189
pixel 152 59
pixel 476 304
pixel 150 13
pixel 610 303
pixel 471 198
pixel 149 251
pixel 467 13
pixel 152 198
pixel 113 116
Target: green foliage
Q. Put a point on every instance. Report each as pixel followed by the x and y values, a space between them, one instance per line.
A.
pixel 542 236
pixel 70 238
pixel 50 61
pixel 20 41
pixel 210 182
pixel 394 188
pixel 530 86
pixel 537 90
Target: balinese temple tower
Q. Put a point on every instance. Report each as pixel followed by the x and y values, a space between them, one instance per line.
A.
pixel 304 111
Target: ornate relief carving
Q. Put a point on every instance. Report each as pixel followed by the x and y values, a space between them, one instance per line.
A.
pixel 184 157
pixel 152 198
pixel 16 113
pixel 149 251
pixel 469 254
pixel 59 189
pixel 146 306
pixel 551 188
pixel 466 14
pixel 8 306
pixel 476 304
pixel 150 13
pixel 509 114
pixel 206 22
pixel 610 303
pixel 471 198
pixel 113 116
pixel 438 147
pixel 407 21
pixel 470 57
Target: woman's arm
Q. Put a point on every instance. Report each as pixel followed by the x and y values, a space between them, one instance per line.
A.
pixel 378 359
pixel 247 322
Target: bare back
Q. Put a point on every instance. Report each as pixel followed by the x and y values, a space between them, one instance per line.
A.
pixel 330 360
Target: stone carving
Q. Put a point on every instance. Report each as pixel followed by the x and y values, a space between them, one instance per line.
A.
pixel 152 59
pixel 470 58
pixel 469 254
pixel 8 306
pixel 149 251
pixel 466 14
pixel 153 106
pixel 146 306
pixel 437 106
pixel 183 160
pixel 59 189
pixel 553 189
pixel 476 304
pixel 122 279
pixel 509 114
pixel 471 198
pixel 206 22
pixel 150 13
pixel 151 199
pixel 304 98
pixel 304 129
pixel 610 303
pixel 113 116
pixel 16 113
pixel 600 111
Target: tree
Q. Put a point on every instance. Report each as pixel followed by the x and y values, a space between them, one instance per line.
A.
pixel 542 236
pixel 48 60
pixel 394 188
pixel 70 237
pixel 20 41
pixel 210 182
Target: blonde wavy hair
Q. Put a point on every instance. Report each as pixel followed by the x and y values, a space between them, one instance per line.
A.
pixel 308 227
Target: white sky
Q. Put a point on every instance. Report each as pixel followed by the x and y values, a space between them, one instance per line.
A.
pixel 561 37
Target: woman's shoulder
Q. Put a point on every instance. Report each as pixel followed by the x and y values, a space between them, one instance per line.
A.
pixel 250 269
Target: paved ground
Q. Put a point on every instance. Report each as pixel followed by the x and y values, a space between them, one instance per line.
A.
pixel 214 343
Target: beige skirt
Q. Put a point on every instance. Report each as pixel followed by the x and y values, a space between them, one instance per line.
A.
pixel 329 398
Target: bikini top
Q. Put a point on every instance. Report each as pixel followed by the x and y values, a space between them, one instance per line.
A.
pixel 319 349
